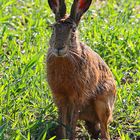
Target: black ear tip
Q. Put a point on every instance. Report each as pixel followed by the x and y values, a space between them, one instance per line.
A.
pixel 79 7
pixel 58 7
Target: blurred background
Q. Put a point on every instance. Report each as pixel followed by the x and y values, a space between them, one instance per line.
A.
pixel 111 28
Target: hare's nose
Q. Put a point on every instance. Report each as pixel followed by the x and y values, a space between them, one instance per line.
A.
pixel 57 50
pixel 60 51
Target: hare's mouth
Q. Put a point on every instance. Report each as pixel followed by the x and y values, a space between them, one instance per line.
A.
pixel 60 52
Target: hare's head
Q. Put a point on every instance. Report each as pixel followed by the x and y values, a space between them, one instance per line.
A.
pixel 65 27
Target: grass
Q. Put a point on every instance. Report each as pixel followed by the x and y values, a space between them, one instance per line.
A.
pixel 26 108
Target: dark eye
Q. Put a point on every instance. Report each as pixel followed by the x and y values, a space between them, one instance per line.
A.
pixel 73 28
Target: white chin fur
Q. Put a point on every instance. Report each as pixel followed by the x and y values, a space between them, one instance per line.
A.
pixel 60 54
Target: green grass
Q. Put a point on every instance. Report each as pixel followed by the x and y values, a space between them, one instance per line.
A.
pixel 26 108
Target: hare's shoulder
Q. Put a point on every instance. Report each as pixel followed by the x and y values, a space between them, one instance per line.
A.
pixel 106 80
pixel 92 54
pixel 95 58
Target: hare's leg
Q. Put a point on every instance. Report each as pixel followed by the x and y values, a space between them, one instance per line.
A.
pixel 104 112
pixel 72 116
pixel 68 116
pixel 93 129
pixel 61 133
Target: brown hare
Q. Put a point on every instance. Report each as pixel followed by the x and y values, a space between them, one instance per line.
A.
pixel 81 82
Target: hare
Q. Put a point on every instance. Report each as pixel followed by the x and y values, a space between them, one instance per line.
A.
pixel 82 84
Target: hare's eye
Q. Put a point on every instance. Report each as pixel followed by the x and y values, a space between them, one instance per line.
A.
pixel 73 29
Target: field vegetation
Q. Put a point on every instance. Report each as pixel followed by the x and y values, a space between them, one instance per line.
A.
pixel 111 28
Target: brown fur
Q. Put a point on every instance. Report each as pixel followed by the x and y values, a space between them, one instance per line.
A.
pixel 82 84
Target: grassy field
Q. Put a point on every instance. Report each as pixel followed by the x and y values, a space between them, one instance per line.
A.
pixel 111 28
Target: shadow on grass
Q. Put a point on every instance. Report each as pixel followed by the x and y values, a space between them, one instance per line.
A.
pixel 43 129
pixel 47 130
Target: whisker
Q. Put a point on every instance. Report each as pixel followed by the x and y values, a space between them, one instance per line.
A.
pixel 49 55
pixel 73 52
pixel 72 58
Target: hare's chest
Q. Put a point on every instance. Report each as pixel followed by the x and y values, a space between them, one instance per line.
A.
pixel 61 75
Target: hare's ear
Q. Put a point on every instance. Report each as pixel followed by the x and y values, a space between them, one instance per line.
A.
pixel 79 7
pixel 58 7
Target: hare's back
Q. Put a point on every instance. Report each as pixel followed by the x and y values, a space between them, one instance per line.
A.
pixel 105 82
pixel 97 61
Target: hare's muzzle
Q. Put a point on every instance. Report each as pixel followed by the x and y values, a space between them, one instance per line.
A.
pixel 60 52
